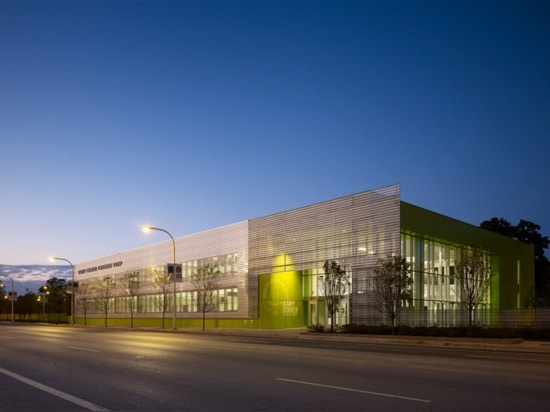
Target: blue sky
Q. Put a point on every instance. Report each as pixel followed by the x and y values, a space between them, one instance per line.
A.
pixel 192 115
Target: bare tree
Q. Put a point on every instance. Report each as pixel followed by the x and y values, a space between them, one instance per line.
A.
pixel 334 286
pixel 392 286
pixel 104 294
pixel 473 273
pixel 161 280
pixel 84 298
pixel 205 281
pixel 130 286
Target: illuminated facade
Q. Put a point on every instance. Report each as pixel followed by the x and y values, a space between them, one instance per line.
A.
pixel 270 268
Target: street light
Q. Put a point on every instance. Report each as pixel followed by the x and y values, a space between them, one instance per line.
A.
pixel 42 298
pixel 53 259
pixel 147 229
pixel 11 296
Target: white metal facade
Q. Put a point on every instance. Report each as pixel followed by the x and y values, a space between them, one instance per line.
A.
pixel 354 230
pixel 218 243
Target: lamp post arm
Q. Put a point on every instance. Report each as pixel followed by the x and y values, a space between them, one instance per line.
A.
pixel 171 237
pixel 58 258
pixel 72 283
pixel 148 228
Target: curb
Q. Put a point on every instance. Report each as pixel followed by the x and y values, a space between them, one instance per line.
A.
pixel 482 344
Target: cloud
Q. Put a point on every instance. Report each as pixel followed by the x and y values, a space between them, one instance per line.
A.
pixel 31 277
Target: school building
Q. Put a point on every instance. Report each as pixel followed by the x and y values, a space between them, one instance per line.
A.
pixel 270 269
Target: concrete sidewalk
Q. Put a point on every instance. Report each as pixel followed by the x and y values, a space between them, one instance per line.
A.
pixel 484 344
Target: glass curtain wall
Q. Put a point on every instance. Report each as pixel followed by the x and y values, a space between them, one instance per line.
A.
pixel 149 291
pixel 436 290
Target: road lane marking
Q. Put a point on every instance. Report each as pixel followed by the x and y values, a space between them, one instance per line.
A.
pixel 506 358
pixel 79 348
pixel 52 391
pixel 341 388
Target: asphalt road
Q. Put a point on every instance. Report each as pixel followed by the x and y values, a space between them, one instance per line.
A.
pixel 49 368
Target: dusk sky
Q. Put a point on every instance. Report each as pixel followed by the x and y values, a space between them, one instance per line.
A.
pixel 189 115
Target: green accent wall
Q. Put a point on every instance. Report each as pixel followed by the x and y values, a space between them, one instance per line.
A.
pixel 280 300
pixel 156 323
pixel 506 253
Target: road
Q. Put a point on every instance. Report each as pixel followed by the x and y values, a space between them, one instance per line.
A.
pixel 49 368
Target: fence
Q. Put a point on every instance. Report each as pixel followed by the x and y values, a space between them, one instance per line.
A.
pixel 514 318
pixel 35 317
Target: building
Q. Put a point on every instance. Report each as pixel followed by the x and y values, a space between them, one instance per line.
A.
pixel 269 269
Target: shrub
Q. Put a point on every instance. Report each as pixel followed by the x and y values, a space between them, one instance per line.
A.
pixel 316 328
pixel 526 333
pixel 534 333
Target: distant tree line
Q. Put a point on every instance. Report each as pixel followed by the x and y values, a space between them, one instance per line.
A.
pixel 50 304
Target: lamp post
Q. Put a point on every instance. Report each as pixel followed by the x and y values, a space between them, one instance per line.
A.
pixel 42 298
pixel 53 259
pixel 3 297
pixel 147 229
pixel 11 296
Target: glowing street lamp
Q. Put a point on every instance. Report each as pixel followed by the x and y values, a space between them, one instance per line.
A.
pixel 11 296
pixel 53 259
pixel 147 229
pixel 42 298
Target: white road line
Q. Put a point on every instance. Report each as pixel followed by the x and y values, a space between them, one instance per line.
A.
pixel 79 348
pixel 503 357
pixel 52 391
pixel 387 395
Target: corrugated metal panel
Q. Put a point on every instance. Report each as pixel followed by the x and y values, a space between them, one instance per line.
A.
pixel 353 230
pixel 227 239
pixel 221 241
pixel 337 229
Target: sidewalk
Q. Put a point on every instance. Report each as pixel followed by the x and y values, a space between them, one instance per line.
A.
pixel 484 344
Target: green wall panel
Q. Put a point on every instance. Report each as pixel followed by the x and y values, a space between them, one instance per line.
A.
pixel 506 252
pixel 281 303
